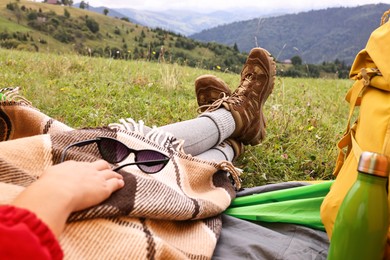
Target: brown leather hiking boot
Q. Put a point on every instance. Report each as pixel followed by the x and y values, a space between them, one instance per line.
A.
pixel 246 102
pixel 209 88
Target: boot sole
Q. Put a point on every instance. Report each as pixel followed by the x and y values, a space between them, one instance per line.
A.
pixel 272 68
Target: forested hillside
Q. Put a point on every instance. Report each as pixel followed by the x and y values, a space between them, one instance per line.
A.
pixel 33 26
pixel 316 36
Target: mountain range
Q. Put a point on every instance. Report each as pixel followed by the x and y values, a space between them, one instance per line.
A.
pixel 185 22
pixel 316 36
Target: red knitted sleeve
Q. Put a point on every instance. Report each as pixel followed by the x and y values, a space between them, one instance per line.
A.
pixel 24 236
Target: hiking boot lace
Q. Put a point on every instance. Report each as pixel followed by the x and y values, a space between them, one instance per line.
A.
pixel 233 173
pixel 236 98
pixel 216 104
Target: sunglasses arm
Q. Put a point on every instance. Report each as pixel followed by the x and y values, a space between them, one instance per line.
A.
pixel 147 163
pixel 78 144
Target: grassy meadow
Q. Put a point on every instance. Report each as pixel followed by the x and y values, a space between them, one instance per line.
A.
pixel 305 117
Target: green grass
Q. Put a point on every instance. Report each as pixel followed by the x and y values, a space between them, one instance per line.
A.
pixel 305 117
pixel 8 26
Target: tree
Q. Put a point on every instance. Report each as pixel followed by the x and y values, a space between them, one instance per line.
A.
pixel 92 25
pixel 66 13
pixel 296 60
pixel 105 11
pixel 235 47
pixel 32 16
pixel 82 5
pixel 17 12
pixel 67 2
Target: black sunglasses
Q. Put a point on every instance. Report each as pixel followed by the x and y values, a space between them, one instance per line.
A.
pixel 114 151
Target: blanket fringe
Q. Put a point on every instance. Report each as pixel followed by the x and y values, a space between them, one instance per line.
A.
pixel 12 95
pixel 155 135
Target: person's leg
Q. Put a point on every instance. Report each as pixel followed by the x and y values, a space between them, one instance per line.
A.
pixel 203 136
pixel 238 116
pixel 228 150
pixel 202 133
pixel 241 111
pixel 221 152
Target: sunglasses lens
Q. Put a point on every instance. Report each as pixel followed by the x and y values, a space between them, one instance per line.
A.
pixel 149 155
pixel 112 150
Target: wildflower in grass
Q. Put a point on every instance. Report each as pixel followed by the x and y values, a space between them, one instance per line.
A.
pixel 276 107
pixel 218 67
pixel 311 128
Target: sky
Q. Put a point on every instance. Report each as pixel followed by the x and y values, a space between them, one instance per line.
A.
pixel 213 5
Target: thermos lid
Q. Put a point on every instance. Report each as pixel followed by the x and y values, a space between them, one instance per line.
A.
pixel 374 163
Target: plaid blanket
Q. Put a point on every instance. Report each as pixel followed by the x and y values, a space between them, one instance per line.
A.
pixel 173 214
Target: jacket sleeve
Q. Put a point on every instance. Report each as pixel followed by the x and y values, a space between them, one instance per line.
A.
pixel 24 236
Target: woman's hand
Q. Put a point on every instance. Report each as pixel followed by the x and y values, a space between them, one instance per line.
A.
pixel 68 187
pixel 86 184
